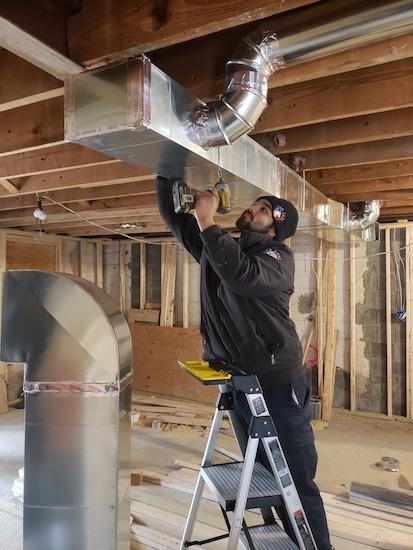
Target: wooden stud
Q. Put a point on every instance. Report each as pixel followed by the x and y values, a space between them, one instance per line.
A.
pixel 168 277
pixel 353 359
pixel 389 341
pixel 185 289
pixel 329 366
pixel 409 324
pixel 320 317
pixel 99 264
pixel 142 277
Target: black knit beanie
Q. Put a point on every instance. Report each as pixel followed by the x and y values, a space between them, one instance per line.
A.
pixel 285 217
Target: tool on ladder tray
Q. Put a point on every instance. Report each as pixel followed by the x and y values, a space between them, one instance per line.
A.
pixel 246 485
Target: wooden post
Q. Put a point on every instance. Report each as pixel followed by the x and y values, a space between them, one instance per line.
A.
pixel 185 289
pixel 409 324
pixel 328 393
pixel 99 264
pixel 389 344
pixel 320 317
pixel 3 386
pixel 168 277
pixel 142 276
pixel 353 360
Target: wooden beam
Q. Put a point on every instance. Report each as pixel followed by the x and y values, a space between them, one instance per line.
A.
pixel 89 178
pixel 364 153
pixel 110 31
pixel 58 157
pixel 26 46
pixel 362 172
pixel 8 185
pixel 374 127
pixel 207 79
pixel 353 94
pixel 23 84
pixel 83 196
pixel 32 126
pixel 380 187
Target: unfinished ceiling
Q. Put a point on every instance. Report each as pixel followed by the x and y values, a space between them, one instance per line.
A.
pixel 344 121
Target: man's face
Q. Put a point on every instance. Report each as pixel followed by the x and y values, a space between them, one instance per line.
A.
pixel 258 218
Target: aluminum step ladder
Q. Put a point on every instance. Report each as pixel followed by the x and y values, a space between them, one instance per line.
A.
pixel 244 485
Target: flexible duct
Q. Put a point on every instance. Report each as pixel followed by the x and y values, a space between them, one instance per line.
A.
pixel 262 53
pixel 367 218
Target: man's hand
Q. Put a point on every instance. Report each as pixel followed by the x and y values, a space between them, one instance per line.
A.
pixel 206 204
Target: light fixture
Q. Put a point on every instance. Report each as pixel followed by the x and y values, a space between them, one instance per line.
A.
pixel 39 213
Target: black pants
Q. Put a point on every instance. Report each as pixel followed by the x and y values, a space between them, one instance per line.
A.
pixel 292 421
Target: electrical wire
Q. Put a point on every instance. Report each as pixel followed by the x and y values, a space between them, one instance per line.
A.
pixel 131 237
pixel 139 240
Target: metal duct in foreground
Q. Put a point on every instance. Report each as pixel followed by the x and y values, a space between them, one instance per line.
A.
pixel 266 50
pixel 133 111
pixel 379 498
pixel 76 347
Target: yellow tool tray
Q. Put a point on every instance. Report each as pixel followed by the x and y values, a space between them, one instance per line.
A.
pixel 202 371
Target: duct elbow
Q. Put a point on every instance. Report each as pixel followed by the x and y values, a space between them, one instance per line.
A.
pixel 367 218
pixel 223 121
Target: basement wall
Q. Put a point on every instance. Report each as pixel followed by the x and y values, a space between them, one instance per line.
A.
pixel 372 362
pixel 361 375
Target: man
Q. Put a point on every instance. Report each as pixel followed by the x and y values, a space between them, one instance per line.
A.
pixel 246 285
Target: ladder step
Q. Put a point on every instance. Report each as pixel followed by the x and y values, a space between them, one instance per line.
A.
pixel 224 480
pixel 269 537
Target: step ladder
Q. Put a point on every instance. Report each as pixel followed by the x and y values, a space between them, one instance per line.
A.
pixel 247 484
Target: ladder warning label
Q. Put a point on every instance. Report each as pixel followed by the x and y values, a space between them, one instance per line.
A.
pixel 280 463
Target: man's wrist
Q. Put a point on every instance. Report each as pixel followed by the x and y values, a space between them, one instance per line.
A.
pixel 204 223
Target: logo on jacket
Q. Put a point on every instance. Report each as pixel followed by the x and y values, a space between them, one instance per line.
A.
pixel 279 214
pixel 273 253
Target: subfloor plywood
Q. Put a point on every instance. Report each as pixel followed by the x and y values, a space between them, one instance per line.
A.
pixel 348 450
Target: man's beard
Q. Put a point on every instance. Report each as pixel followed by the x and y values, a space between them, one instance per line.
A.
pixel 245 224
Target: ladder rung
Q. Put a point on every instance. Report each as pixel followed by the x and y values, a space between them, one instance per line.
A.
pixel 269 537
pixel 224 480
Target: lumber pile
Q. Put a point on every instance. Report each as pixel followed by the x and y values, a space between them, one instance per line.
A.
pixel 364 525
pixel 167 413
pixel 158 520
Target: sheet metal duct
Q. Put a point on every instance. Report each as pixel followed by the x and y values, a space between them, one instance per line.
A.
pixel 128 111
pixel 369 216
pixel 133 111
pixel 76 347
pixel 379 498
pixel 266 51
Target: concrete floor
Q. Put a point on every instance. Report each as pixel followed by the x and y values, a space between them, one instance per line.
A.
pixel 348 451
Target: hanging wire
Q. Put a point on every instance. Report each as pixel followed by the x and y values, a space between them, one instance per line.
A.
pixel 132 238
pixel 398 261
pixel 219 164
pixel 137 239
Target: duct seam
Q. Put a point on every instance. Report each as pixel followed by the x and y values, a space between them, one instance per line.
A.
pixel 77 387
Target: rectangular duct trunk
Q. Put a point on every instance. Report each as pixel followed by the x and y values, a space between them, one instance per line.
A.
pixel 132 111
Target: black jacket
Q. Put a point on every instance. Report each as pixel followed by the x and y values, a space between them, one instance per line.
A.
pixel 246 286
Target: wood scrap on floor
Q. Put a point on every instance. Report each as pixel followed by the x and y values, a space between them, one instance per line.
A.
pixel 367 526
pixel 163 412
pixel 158 523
